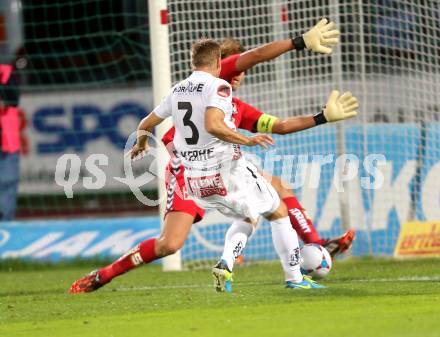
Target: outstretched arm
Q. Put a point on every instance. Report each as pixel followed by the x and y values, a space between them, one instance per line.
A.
pixel 338 107
pixel 321 38
pixel 284 126
pixel 263 53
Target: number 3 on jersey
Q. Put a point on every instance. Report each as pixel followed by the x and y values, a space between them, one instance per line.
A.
pixel 187 122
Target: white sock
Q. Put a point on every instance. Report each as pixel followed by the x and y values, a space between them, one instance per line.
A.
pixel 285 241
pixel 235 240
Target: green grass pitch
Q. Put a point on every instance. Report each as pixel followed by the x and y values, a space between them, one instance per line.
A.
pixel 365 297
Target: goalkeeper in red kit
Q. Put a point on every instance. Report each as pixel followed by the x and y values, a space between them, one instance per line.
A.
pixel 182 213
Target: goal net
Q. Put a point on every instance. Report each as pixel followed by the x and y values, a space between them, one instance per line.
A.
pixel 372 173
pixel 86 85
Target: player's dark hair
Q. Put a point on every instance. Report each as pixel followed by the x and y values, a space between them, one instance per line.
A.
pixel 231 46
pixel 205 53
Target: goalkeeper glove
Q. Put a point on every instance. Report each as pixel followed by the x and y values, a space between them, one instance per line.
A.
pixel 321 38
pixel 337 108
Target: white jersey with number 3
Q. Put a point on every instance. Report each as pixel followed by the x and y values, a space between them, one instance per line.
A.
pixel 187 103
pixel 216 175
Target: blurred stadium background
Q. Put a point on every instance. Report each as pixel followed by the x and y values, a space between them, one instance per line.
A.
pixel 87 81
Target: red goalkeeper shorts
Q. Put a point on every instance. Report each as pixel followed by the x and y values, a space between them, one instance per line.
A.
pixel 178 199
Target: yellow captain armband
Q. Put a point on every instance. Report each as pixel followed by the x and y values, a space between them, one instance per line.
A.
pixel 265 123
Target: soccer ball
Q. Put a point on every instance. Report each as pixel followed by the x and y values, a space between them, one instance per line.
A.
pixel 316 261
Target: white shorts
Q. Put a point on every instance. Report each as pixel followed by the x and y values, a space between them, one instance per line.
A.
pixel 236 190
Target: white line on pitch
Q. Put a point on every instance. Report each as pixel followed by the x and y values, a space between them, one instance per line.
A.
pixel 190 286
pixel 399 279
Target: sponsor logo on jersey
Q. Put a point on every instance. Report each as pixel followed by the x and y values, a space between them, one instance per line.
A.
pixel 203 187
pixel 224 91
pixel 198 155
pixel 189 87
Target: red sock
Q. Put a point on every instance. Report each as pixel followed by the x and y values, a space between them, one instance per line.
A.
pixel 141 254
pixel 301 222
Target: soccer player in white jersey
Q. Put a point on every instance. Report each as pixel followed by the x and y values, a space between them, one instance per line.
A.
pixel 216 174
pixel 182 212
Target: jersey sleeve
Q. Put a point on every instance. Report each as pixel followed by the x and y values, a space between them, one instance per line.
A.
pixel 229 69
pixel 219 95
pixel 249 116
pixel 163 110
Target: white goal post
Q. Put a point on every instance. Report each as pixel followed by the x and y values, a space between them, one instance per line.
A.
pixel 160 63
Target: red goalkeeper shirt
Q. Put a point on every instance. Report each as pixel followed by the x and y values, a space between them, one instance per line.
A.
pixel 229 69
